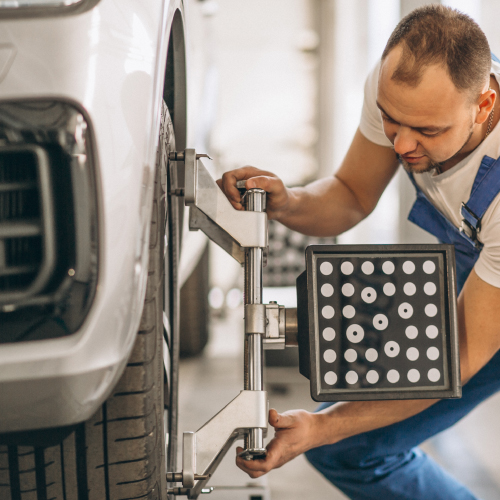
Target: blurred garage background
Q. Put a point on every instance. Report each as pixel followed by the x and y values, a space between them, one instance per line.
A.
pixel 289 77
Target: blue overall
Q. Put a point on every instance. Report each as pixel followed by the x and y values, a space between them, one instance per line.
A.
pixel 386 463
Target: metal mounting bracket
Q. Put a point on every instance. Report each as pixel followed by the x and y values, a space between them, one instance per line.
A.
pixel 243 234
pixel 204 449
pixel 210 210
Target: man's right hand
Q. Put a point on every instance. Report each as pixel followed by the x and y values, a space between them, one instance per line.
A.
pixel 278 196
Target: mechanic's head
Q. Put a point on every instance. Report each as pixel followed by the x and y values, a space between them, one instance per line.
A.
pixel 433 87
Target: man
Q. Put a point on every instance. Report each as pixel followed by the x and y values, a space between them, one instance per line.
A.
pixel 430 104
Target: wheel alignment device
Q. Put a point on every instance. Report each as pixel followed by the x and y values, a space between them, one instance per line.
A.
pixel 242 234
pixel 374 322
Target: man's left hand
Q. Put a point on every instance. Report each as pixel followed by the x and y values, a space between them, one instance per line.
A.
pixel 295 433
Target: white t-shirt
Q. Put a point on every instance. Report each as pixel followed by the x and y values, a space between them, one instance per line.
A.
pixel 448 190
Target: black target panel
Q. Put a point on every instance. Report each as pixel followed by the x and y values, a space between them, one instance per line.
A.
pixel 381 322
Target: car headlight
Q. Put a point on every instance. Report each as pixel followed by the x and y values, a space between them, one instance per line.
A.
pixel 42 8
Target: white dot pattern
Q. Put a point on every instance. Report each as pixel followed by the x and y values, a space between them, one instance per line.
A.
pixel 351 377
pixel 411 332
pixel 433 353
pixel 331 378
pixel 350 355
pixel 348 290
pixel 432 331
pixel 380 321
pixel 391 349
pixel 330 356
pixel 367 267
pixel 355 333
pixel 348 312
pixel 326 268
pixel 412 353
pixel 346 268
pixel 388 267
pixel 405 310
pixel 328 312
pixel 413 375
pixel 369 295
pixel 429 267
pixel 433 374
pixel 329 334
pixel 431 310
pixel 393 376
pixel 409 267
pixel 372 377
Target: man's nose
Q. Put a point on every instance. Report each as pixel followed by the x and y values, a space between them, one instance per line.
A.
pixel 404 142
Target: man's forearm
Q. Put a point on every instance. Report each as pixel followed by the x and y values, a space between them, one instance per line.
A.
pixel 323 208
pixel 347 419
pixel 330 206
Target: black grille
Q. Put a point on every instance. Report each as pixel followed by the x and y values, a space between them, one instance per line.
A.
pixel 24 243
pixel 48 220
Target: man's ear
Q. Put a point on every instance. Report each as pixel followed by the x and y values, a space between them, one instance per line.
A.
pixel 486 103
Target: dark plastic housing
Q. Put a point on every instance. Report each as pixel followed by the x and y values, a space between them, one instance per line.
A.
pixel 379 322
pixel 48 220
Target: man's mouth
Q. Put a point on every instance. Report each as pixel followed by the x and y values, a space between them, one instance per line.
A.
pixel 412 159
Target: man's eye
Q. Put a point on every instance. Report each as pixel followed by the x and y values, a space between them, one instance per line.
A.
pixel 427 134
pixel 387 119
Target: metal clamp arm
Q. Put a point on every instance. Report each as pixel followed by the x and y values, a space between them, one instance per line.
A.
pixel 210 210
pixel 204 449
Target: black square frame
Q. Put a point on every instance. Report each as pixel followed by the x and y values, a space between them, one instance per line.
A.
pixel 310 322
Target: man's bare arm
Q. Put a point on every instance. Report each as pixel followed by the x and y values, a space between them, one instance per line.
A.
pixel 298 431
pixel 329 206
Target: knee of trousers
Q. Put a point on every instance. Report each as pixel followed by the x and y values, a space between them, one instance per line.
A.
pixel 339 464
pixel 327 458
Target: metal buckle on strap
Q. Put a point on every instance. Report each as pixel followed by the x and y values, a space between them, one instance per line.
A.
pixel 470 227
pixel 469 232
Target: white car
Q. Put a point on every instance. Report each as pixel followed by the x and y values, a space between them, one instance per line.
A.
pixel 92 94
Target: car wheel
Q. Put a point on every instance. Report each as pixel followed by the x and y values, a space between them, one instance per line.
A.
pixel 120 453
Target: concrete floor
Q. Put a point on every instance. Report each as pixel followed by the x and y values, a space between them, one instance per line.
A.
pixel 470 450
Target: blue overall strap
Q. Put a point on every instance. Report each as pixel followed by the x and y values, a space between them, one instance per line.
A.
pixel 495 58
pixel 426 216
pixel 484 190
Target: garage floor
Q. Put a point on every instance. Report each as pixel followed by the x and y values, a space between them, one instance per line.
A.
pixel 470 450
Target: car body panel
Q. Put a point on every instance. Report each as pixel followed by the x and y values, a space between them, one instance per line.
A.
pixel 110 60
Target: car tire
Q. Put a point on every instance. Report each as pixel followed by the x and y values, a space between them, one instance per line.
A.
pixel 120 452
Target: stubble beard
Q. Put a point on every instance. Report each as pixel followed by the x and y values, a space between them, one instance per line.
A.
pixel 431 164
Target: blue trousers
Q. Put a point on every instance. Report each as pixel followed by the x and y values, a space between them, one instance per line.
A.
pixel 385 464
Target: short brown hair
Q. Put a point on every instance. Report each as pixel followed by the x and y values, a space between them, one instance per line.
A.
pixel 436 34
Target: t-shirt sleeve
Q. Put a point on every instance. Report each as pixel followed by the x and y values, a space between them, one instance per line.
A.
pixel 487 266
pixel 371 121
